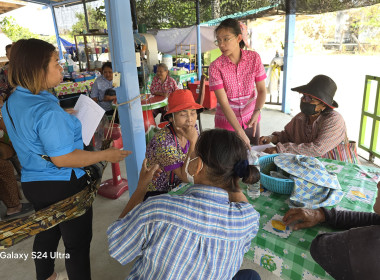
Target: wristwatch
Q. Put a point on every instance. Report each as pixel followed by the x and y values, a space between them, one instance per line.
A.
pixel 257 110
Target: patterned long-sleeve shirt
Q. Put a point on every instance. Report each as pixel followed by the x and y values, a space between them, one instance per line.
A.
pixel 197 235
pixel 315 140
pixel 168 86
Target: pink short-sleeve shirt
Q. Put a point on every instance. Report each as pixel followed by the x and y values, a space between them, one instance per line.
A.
pixel 239 83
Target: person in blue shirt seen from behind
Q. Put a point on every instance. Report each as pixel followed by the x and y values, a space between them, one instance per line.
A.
pixel 38 126
pixel 201 234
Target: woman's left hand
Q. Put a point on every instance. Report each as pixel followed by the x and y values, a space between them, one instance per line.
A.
pixel 253 122
pixel 71 111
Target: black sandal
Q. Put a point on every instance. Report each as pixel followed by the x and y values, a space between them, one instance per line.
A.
pixel 25 208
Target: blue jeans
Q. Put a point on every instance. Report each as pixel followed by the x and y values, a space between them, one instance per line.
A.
pixel 247 274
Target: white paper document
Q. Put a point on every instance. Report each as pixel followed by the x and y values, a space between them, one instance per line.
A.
pixel 261 148
pixel 89 113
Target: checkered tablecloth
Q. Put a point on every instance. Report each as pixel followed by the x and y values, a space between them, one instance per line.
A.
pixel 285 252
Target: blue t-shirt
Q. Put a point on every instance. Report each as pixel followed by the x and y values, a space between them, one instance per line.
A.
pixel 41 127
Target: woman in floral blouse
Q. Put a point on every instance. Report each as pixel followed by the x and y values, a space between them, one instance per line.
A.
pixel 171 146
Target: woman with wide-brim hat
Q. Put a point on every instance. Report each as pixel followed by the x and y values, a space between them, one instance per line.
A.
pixel 170 147
pixel 318 128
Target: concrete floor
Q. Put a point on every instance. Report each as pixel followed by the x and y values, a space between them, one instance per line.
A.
pixel 106 211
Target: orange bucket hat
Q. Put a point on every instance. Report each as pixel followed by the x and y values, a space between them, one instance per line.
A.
pixel 181 99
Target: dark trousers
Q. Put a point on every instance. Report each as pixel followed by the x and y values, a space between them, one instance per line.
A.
pixel 249 131
pixel 76 233
pixel 246 274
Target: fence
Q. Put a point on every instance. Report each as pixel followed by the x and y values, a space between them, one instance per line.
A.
pixel 370 118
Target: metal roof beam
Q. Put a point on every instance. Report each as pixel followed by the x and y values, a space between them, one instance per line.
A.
pixel 41 2
pixel 55 3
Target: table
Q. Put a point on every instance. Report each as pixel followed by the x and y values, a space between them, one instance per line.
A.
pixel 73 87
pixel 184 77
pixel 148 104
pixel 289 257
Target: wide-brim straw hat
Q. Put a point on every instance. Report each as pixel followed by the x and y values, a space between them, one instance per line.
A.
pixel 322 88
pixel 181 99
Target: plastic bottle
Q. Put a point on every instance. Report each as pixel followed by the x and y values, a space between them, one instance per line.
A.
pixel 253 190
pixel 70 63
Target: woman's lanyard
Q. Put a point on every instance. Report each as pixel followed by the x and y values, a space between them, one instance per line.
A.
pixel 172 174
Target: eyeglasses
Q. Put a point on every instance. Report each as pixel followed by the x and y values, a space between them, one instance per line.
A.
pixel 307 98
pixel 218 42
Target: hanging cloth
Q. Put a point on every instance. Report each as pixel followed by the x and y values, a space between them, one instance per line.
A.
pixel 314 186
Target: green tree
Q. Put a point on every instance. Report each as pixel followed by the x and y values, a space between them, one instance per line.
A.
pixel 14 31
pixel 366 22
pixel 180 13
pixel 93 20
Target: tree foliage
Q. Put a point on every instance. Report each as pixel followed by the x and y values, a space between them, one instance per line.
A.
pixel 367 23
pixel 14 31
pixel 159 14
pixel 176 13
pixel 180 13
pixel 93 20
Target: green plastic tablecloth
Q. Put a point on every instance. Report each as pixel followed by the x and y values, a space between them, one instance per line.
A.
pixel 289 256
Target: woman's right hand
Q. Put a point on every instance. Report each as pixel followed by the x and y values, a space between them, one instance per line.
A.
pixel 114 155
pixel 189 132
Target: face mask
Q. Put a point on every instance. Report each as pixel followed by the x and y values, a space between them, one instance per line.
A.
pixel 308 109
pixel 189 177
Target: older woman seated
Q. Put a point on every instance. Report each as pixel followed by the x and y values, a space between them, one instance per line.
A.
pixel 102 91
pixel 163 85
pixel 318 128
pixel 170 147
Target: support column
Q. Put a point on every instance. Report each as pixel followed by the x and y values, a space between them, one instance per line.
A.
pixel 289 49
pixel 122 48
pixel 86 16
pixel 56 32
pixel 199 47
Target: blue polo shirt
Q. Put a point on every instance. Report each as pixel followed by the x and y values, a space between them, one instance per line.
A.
pixel 42 127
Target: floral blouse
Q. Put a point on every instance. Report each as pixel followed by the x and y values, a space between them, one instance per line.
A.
pixel 164 151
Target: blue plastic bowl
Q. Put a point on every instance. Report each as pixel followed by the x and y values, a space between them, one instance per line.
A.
pixel 282 186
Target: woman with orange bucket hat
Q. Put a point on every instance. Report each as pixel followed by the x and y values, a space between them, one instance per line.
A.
pixel 171 146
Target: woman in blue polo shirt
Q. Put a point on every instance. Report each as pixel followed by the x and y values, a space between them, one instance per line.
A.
pixel 38 126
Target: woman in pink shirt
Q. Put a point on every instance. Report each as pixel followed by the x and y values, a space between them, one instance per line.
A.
pixel 162 84
pixel 238 79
